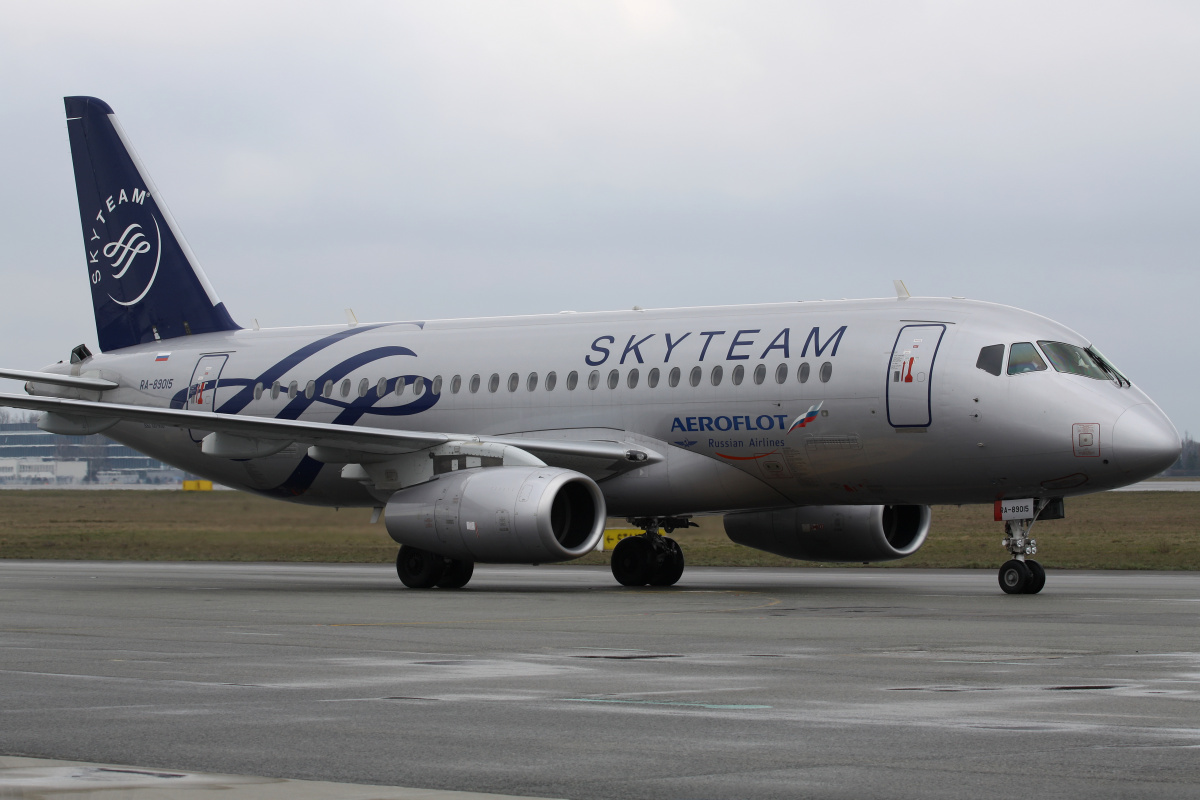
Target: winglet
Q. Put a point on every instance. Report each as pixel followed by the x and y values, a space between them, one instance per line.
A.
pixel 901 290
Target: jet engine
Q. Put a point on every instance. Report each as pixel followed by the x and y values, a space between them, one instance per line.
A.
pixel 833 533
pixel 502 515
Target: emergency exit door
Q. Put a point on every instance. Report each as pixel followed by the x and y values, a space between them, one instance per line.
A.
pixel 910 375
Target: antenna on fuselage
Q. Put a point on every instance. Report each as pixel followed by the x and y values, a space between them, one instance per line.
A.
pixel 901 290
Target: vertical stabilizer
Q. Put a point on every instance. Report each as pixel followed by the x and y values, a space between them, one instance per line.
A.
pixel 146 283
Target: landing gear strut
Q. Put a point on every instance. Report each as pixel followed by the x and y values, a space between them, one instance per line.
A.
pixel 421 569
pixel 1021 575
pixel 651 558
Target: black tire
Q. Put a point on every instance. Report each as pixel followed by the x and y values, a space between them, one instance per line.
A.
pixel 1037 577
pixel 456 575
pixel 670 566
pixel 419 569
pixel 1014 577
pixel 633 561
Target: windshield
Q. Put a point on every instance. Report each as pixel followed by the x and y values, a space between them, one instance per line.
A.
pixel 1118 376
pixel 1080 361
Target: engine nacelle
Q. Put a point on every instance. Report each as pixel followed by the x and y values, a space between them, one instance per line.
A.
pixel 833 533
pixel 502 515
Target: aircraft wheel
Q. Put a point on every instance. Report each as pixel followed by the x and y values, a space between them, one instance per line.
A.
pixel 457 574
pixel 1037 577
pixel 670 569
pixel 633 561
pixel 419 569
pixel 1014 577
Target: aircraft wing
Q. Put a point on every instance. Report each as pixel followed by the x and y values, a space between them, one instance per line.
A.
pixel 602 456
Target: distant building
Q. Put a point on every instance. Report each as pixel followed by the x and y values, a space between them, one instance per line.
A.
pixel 29 455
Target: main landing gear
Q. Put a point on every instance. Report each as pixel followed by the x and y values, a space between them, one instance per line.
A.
pixel 1021 575
pixel 651 558
pixel 420 569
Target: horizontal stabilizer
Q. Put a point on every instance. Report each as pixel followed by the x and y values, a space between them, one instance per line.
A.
pixel 73 381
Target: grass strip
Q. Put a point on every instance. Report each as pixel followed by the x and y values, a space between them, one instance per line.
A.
pixel 1112 530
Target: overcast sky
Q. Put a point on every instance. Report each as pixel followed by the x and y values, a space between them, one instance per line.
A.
pixel 441 159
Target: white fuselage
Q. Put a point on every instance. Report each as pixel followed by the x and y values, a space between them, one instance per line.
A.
pixel 887 421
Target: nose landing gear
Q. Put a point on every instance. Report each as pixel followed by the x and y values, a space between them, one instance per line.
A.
pixel 1020 574
pixel 651 558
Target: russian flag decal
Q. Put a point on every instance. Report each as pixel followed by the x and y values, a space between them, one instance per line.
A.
pixel 807 417
pixel 162 356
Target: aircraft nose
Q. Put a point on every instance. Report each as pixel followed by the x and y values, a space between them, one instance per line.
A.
pixel 1144 441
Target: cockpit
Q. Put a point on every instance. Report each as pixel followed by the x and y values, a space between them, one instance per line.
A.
pixel 1025 357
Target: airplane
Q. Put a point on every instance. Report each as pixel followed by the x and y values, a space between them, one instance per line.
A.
pixel 821 430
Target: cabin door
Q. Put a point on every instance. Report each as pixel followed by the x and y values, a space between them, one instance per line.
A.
pixel 203 387
pixel 910 375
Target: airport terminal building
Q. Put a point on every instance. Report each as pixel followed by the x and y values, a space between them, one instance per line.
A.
pixel 30 456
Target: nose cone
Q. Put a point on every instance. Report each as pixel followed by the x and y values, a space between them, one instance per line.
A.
pixel 1144 442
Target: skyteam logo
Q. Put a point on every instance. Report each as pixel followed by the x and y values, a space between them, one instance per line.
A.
pixel 804 419
pixel 133 252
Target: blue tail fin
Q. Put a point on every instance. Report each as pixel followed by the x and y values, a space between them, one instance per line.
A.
pixel 146 284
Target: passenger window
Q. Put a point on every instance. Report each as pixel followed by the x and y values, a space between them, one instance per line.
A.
pixel 652 378
pixel 310 389
pixel 474 383
pixel 802 373
pixel 572 380
pixel 399 386
pixel 494 382
pixel 437 384
pixel 715 375
pixel 327 389
pixel 991 359
pixel 455 384
pixel 381 387
pixel 514 380
pixel 826 372
pixel 694 378
pixel 632 379
pixel 531 381
pixel 258 390
pixel 292 389
pixel 418 387
pixel 551 380
pixel 781 373
pixel 614 378
pixel 345 389
pixel 760 374
pixel 364 386
pixel 1023 357
pixel 594 379
pixel 738 373
pixel 673 377
pixel 275 390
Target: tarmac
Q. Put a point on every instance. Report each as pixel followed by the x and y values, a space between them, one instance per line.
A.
pixel 556 682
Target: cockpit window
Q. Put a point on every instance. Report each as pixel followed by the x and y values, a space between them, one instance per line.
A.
pixel 1023 357
pixel 1074 360
pixel 991 359
pixel 1117 375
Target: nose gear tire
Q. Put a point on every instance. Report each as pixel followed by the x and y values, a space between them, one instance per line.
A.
pixel 1037 577
pixel 1015 577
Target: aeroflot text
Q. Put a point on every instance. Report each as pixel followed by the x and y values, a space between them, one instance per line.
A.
pixel 736 346
pixel 765 422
